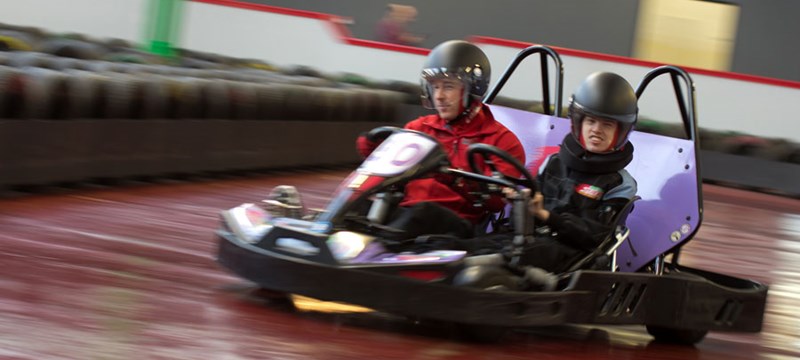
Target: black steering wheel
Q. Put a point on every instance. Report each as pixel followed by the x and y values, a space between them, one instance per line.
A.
pixel 484 151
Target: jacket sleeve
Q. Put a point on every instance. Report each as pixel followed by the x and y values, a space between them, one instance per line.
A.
pixel 589 229
pixel 364 146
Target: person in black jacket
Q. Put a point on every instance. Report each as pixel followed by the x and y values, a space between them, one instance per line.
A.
pixel 584 186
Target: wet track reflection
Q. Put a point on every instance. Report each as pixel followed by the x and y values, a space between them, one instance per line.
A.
pixel 128 272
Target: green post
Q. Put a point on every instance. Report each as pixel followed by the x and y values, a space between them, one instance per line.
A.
pixel 163 26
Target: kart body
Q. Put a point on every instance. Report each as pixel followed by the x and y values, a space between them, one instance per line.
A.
pixel 338 258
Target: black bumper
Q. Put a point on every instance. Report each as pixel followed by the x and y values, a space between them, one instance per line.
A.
pixel 704 300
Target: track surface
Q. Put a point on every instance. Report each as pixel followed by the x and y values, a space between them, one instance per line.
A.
pixel 128 273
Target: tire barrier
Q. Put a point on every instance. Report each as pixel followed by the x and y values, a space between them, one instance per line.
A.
pixel 84 110
pixel 93 120
pixel 44 94
pixel 132 57
pixel 11 97
pixel 184 98
pixel 34 152
pixel 28 58
pixel 72 48
pixel 300 102
pixel 411 92
pixel 85 94
pixel 147 97
pixel 244 100
pixel 271 101
pixel 11 40
pixel 216 97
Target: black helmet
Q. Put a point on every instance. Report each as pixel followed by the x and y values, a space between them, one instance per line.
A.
pixel 459 59
pixel 604 95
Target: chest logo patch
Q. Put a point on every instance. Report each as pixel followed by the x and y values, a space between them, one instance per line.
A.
pixel 589 191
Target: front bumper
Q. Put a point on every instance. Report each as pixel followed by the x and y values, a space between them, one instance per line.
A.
pixel 695 300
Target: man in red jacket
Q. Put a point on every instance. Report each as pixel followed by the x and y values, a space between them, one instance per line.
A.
pixel 454 79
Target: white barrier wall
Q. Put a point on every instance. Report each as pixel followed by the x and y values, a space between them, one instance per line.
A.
pixel 122 19
pixel 286 40
pixel 222 26
pixel 722 103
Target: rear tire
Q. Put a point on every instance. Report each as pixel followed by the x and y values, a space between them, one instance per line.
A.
pixel 676 336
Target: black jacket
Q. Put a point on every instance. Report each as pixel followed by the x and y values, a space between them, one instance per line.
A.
pixel 582 205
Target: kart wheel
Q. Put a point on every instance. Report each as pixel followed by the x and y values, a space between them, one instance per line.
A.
pixel 676 336
pixel 488 278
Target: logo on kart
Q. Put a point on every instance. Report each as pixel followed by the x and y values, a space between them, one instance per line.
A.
pixel 397 154
pixel 406 154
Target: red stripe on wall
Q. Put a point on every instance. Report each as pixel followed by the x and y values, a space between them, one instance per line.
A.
pixel 268 8
pixel 336 22
pixel 338 27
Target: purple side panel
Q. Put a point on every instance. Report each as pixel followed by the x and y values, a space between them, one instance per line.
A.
pixel 664 168
pixel 668 213
pixel 534 131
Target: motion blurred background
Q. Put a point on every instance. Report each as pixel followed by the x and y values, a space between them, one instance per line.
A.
pixel 316 68
pixel 199 105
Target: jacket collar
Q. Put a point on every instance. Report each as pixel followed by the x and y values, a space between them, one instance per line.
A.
pixel 577 158
pixel 482 123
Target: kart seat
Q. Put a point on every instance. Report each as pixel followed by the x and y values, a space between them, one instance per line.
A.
pixel 604 256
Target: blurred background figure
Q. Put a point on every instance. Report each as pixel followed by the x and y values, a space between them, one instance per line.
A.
pixel 393 27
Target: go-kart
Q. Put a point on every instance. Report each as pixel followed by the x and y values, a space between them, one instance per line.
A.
pixel 342 254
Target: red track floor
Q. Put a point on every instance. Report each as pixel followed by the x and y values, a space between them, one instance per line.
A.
pixel 128 273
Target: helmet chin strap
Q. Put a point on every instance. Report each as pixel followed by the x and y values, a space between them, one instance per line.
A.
pixel 469 111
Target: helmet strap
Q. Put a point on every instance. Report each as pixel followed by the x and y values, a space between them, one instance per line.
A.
pixel 613 145
pixel 471 108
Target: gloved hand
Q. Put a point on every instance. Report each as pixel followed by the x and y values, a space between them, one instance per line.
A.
pixel 364 146
pixel 378 134
pixel 368 141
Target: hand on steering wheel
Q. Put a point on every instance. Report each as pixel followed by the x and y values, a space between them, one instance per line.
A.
pixel 484 151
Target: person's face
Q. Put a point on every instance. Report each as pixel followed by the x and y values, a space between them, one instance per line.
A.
pixel 598 134
pixel 447 96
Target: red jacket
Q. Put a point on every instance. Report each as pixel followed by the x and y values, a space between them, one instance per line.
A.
pixel 455 138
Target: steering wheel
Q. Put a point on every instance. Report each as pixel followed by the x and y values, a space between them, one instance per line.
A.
pixel 484 150
pixel 379 134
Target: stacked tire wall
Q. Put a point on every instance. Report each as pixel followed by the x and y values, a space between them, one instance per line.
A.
pixel 65 119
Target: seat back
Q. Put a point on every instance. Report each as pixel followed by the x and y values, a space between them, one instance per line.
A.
pixel 605 255
pixel 668 213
